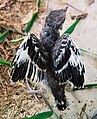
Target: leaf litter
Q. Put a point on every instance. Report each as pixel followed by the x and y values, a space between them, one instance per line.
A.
pixel 14 103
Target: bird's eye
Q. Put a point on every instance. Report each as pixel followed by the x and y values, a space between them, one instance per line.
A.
pixel 47 33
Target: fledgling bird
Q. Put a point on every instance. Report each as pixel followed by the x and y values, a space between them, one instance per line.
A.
pixel 54 58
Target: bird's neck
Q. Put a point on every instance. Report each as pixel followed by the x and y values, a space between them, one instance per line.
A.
pixel 50 42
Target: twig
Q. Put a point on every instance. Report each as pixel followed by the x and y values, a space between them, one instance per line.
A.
pixel 1 17
pixel 74 7
pixel 83 111
pixel 4 51
pixel 81 16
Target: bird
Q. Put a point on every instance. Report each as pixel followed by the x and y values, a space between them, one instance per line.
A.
pixel 51 57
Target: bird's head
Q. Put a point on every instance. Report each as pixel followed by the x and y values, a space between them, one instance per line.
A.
pixel 50 32
pixel 55 19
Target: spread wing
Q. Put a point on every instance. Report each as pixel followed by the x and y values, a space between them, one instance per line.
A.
pixel 29 61
pixel 67 63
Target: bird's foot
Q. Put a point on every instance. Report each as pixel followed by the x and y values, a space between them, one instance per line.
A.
pixel 62 105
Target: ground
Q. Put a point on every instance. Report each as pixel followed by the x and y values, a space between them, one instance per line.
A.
pixel 14 102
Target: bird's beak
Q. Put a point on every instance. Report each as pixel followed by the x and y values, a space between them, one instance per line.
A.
pixel 66 8
pixel 61 27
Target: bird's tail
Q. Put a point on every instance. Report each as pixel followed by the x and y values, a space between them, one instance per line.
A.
pixel 61 101
pixel 58 92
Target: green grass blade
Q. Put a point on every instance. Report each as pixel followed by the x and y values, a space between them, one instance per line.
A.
pixel 30 23
pixel 17 40
pixel 90 85
pixel 3 62
pixel 43 115
pixel 72 27
pixel 87 86
pixel 38 3
pixel 88 52
pixel 4 36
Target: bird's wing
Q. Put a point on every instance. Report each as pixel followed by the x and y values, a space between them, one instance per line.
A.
pixel 66 61
pixel 29 60
pixel 76 66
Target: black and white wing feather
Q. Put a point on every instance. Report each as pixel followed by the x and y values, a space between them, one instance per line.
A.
pixel 29 61
pixel 76 66
pixel 67 63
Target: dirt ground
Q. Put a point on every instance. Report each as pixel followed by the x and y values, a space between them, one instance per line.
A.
pixel 14 102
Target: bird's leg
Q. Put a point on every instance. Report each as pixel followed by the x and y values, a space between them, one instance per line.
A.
pixel 28 84
pixel 29 81
pixel 32 91
pixel 59 94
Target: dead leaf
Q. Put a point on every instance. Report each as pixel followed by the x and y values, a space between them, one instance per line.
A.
pixel 81 16
pixel 90 2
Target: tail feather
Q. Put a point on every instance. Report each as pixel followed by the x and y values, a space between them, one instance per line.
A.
pixel 58 92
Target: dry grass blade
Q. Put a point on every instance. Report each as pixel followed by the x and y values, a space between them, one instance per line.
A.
pixel 17 40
